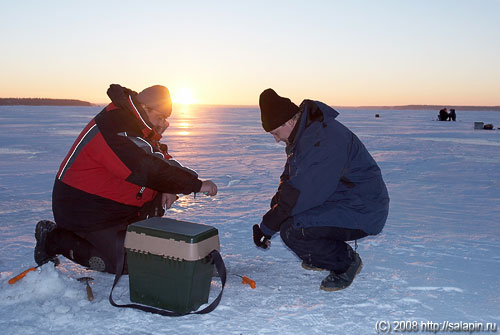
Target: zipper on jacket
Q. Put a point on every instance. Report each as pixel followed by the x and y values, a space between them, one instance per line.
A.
pixel 138 196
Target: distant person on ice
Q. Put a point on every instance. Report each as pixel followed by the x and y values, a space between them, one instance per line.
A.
pixel 116 173
pixel 331 189
pixel 443 115
pixel 452 116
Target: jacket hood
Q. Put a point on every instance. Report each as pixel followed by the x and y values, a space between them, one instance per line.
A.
pixel 312 111
pixel 314 107
pixel 119 96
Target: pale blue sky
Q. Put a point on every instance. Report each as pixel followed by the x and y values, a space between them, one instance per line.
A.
pixel 227 52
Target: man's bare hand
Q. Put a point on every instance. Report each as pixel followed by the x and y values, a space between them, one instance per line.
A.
pixel 167 199
pixel 208 187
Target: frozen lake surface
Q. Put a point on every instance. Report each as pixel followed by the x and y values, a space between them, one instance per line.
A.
pixel 438 258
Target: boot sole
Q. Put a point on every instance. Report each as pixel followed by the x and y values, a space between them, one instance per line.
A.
pixel 333 289
pixel 39 234
pixel 311 268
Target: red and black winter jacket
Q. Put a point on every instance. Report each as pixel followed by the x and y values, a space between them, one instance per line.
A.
pixel 115 169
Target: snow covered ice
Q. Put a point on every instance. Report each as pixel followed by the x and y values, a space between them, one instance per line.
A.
pixel 438 258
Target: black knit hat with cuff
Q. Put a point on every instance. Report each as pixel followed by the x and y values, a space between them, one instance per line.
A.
pixel 275 110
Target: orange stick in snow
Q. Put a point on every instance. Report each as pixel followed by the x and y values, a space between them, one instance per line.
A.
pixel 246 280
pixel 13 280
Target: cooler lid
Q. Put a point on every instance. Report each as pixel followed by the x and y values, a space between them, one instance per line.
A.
pixel 173 229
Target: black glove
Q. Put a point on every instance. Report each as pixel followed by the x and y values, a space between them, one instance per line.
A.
pixel 151 209
pixel 259 238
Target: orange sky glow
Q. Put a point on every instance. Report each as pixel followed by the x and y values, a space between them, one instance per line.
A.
pixel 225 52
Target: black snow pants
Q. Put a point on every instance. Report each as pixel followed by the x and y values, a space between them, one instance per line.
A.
pixel 98 249
pixel 322 247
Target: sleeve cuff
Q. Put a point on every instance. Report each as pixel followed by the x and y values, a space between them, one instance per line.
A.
pixel 266 231
pixel 197 186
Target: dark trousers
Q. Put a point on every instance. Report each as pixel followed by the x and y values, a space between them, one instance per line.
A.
pixel 104 245
pixel 87 247
pixel 322 247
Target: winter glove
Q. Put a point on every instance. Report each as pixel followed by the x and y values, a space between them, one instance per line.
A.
pixel 260 240
pixel 152 208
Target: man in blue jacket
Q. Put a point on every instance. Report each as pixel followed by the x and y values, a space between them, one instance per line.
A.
pixel 331 189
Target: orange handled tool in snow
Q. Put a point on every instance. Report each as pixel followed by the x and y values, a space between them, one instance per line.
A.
pixel 246 280
pixel 20 276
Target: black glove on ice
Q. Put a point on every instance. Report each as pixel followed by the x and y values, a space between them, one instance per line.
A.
pixel 259 238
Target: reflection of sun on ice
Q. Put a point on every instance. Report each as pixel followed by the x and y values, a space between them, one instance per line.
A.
pixel 183 96
pixel 183 128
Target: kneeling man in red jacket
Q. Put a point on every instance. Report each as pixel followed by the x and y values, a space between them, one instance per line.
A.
pixel 116 173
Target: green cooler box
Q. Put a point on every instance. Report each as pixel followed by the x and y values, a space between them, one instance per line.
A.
pixel 167 263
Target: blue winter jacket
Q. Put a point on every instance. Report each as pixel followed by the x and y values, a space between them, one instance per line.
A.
pixel 330 179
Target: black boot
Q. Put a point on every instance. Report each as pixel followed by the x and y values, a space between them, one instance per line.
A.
pixel 42 231
pixel 335 282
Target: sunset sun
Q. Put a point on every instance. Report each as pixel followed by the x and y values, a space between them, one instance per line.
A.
pixel 183 96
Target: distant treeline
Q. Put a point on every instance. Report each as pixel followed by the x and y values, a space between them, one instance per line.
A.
pixel 42 102
pixel 431 107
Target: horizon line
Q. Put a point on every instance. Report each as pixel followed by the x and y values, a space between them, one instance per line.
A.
pixel 418 106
